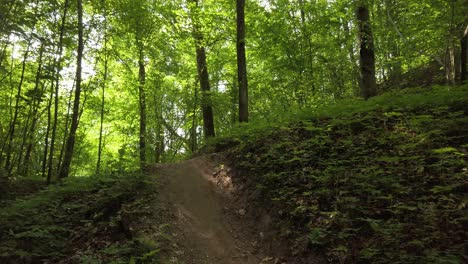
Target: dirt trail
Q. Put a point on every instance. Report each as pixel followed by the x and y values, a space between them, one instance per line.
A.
pixel 202 228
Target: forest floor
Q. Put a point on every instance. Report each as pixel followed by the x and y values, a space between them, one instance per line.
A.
pixel 207 227
pixel 377 181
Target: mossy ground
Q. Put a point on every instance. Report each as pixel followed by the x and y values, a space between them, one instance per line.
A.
pixel 82 220
pixel 378 181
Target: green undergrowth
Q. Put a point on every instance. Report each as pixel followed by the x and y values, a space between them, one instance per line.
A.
pixel 378 181
pixel 20 187
pixel 81 220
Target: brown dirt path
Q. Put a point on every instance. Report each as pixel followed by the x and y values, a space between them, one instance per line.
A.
pixel 203 232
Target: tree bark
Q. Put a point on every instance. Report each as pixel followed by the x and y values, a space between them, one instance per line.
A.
pixel 56 97
pixel 11 134
pixel 65 169
pixel 203 76
pixel 142 103
pixel 103 96
pixel 242 64
pixel 159 136
pixel 35 104
pixel 393 54
pixel 367 56
pixel 208 122
pixel 46 138
pixel 65 127
pixel 464 56
pixel 3 52
pixel 354 65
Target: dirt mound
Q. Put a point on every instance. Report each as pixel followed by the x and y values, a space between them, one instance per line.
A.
pixel 206 229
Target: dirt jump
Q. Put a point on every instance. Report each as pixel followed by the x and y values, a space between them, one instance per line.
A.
pixel 205 228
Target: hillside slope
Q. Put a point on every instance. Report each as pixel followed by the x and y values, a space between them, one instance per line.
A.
pixel 378 181
pixel 381 181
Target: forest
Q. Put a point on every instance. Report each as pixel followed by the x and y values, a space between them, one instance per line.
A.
pixel 347 119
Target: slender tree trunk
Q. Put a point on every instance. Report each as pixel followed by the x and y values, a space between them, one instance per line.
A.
pixel 11 134
pixel 31 137
pixel 100 147
pixel 464 56
pixel 56 97
pixel 203 76
pixel 103 96
pixel 354 64
pixel 5 140
pixel 65 169
pixel 450 66
pixel 157 136
pixel 193 130
pixel 65 127
pixel 393 54
pixel 367 56
pixel 208 122
pixel 159 130
pixel 142 103
pixel 46 138
pixel 11 10
pixel 35 104
pixel 3 52
pixel 24 139
pixel 307 60
pixel 234 100
pixel 242 64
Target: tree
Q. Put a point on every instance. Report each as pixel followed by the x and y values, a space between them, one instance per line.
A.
pixel 36 96
pixel 203 76
pixel 14 121
pixel 464 56
pixel 65 168
pixel 241 63
pixel 142 103
pixel 149 95
pixel 55 95
pixel 366 53
pixel 103 97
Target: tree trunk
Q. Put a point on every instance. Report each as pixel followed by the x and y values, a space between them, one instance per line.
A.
pixel 65 169
pixel 193 129
pixel 356 79
pixel 4 141
pixel 450 66
pixel 24 140
pixel 242 64
pixel 3 52
pixel 35 104
pixel 10 10
pixel 367 56
pixel 46 138
pixel 203 76
pixel 208 122
pixel 234 94
pixel 103 96
pixel 159 137
pixel 65 127
pixel 394 68
pixel 464 56
pixel 56 98
pixel 142 103
pixel 11 134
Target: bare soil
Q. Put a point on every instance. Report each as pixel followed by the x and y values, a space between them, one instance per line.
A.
pixel 207 227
